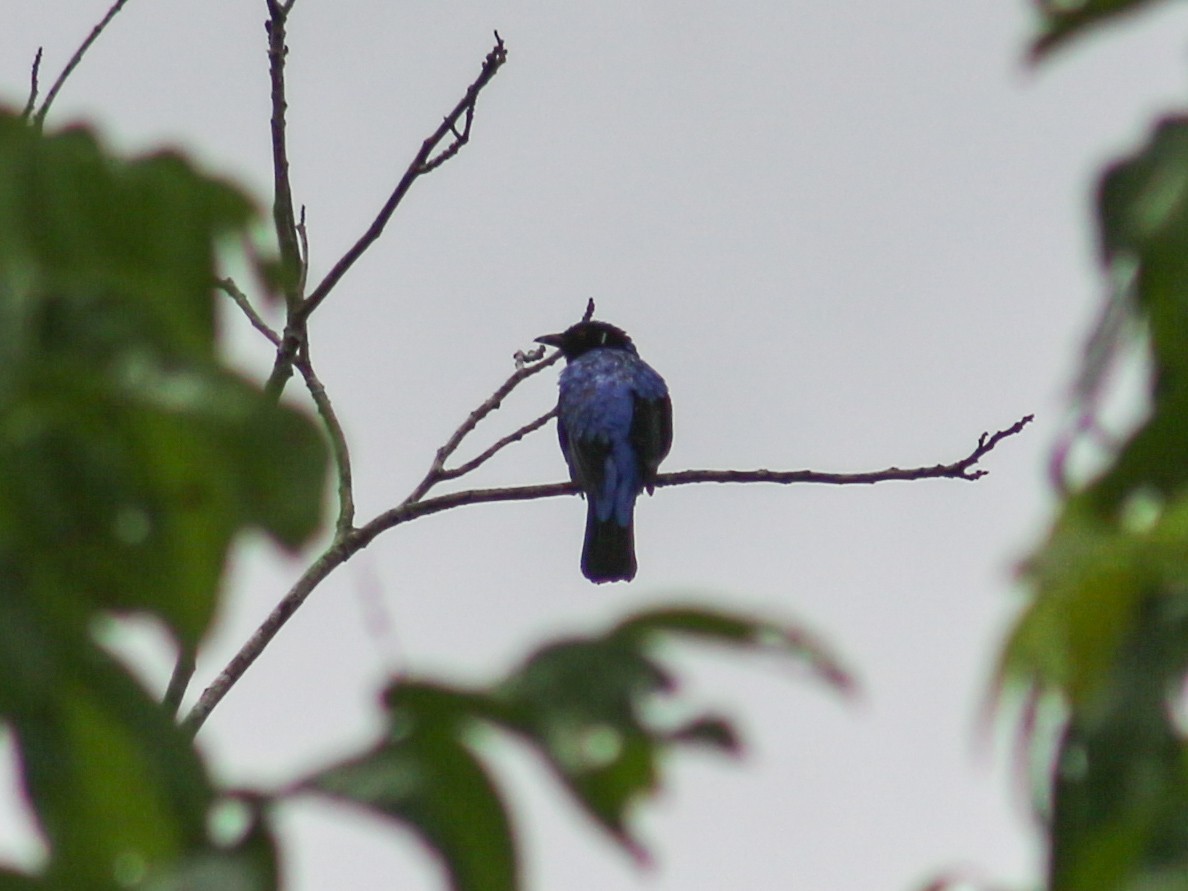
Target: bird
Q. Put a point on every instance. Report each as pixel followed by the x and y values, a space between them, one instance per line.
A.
pixel 614 425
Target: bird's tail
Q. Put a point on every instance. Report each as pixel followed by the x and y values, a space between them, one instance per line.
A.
pixel 608 554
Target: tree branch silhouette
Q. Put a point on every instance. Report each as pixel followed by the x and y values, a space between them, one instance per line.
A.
pixel 39 116
pixel 423 162
pixel 292 351
pixel 292 347
pixel 34 85
pixel 429 157
pixel 339 449
pixel 283 219
pixel 350 541
pixel 232 290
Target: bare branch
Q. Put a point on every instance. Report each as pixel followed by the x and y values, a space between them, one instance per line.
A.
pixel 34 85
pixel 491 65
pixel 183 672
pixel 986 442
pixel 355 540
pixel 39 118
pixel 303 242
pixel 460 139
pixel 232 290
pixel 437 471
pixel 338 443
pixel 282 200
pixel 965 469
pixel 450 473
pixel 288 234
pixel 336 554
pixel 295 332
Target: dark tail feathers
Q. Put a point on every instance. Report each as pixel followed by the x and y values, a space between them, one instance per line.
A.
pixel 608 554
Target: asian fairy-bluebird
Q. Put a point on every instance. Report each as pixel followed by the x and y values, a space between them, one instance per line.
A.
pixel 614 422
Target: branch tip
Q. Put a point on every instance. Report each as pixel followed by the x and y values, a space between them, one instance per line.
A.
pixel 113 10
pixel 34 85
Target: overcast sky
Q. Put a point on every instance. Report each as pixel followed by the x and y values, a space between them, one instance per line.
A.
pixel 850 235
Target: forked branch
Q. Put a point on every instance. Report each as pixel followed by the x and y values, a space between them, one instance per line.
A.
pixel 292 351
pixel 416 505
pixel 423 162
pixel 429 157
pixel 39 116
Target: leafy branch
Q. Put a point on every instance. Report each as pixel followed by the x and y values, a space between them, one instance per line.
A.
pixel 584 706
pixel 153 455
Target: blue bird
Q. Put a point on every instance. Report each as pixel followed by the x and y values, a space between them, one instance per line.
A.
pixel 614 422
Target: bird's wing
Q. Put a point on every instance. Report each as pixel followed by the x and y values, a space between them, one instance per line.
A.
pixel 587 463
pixel 563 440
pixel 651 434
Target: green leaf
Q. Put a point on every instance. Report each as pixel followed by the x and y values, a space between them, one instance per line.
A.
pixel 1061 20
pixel 598 710
pixel 717 733
pixel 1147 468
pixel 1143 213
pixel 733 629
pixel 250 864
pixel 117 787
pixel 1088 581
pixel 15 881
pixel 1142 198
pixel 1108 628
pixel 129 456
pixel 425 776
pixel 1121 791
pixel 581 704
pixel 139 234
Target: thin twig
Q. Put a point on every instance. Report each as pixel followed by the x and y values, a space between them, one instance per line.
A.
pixel 295 333
pixel 437 470
pixel 232 290
pixel 986 442
pixel 338 443
pixel 965 469
pixel 260 638
pixel 491 65
pixel 460 139
pixel 303 242
pixel 451 473
pixel 355 540
pixel 287 234
pixel 39 118
pixel 34 85
pixel 183 672
pixel 282 190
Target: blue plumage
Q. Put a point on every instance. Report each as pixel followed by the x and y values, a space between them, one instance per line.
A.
pixel 614 424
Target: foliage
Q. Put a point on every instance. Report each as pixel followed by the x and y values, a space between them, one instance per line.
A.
pixel 1061 20
pixel 591 708
pixel 1107 628
pixel 130 458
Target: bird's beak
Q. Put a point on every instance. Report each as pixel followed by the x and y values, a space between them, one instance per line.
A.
pixel 553 340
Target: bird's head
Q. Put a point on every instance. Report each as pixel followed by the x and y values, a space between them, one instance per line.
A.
pixel 586 336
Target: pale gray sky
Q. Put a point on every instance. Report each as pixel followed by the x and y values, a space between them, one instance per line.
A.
pixel 849 236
